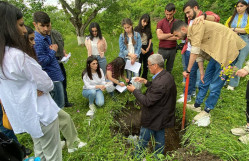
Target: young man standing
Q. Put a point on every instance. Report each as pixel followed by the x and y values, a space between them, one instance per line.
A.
pixel 57 38
pixel 45 52
pixel 167 42
pixel 213 41
pixel 193 14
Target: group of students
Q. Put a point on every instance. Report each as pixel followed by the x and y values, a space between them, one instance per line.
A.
pixel 26 80
pixel 135 45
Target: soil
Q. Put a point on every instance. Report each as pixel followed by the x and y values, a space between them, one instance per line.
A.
pixel 129 124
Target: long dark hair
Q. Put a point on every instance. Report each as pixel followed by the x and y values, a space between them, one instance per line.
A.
pixel 235 11
pixel 128 22
pixel 118 66
pixel 30 31
pixel 147 28
pixel 95 25
pixel 89 60
pixel 9 33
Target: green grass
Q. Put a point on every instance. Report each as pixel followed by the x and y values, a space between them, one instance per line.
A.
pixel 102 145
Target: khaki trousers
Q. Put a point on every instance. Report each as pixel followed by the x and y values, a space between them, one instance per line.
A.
pixel 48 147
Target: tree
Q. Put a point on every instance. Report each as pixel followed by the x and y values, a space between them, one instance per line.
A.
pixel 82 12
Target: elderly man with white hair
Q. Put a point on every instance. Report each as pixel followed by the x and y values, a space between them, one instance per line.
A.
pixel 158 104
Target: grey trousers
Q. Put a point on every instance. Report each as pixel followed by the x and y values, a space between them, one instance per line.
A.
pixel 67 128
pixel 169 55
pixel 48 147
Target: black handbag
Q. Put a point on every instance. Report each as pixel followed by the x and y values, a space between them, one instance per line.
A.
pixel 10 150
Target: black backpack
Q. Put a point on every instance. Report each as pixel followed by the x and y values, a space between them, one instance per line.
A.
pixel 10 150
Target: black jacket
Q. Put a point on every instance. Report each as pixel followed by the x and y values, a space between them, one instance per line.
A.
pixel 158 103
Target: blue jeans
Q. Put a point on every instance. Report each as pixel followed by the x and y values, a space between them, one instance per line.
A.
pixel 102 63
pixel 192 76
pixel 183 66
pixel 145 136
pixel 213 82
pixel 58 94
pixel 9 133
pixel 234 82
pixel 94 94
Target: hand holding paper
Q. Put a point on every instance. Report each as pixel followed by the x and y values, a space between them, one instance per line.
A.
pixel 66 58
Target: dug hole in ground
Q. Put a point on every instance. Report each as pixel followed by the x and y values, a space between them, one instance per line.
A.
pixel 128 124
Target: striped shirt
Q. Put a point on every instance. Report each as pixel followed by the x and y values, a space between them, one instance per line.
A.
pixel 46 57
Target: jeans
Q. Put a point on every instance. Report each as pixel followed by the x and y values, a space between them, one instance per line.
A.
pixel 213 82
pixel 143 59
pixel 94 94
pixel 102 63
pixel 169 55
pixel 145 136
pixel 64 82
pixel 183 66
pixel 58 94
pixel 234 82
pixel 9 133
pixel 192 76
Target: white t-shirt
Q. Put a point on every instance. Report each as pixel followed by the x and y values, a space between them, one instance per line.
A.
pixel 131 46
pixel 189 45
pixel 94 44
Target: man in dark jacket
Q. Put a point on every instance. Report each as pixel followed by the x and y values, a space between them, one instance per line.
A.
pixel 158 104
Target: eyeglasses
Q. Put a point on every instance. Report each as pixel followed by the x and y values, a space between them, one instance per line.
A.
pixel 149 65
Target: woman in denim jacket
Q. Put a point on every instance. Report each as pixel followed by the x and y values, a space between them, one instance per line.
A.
pixel 130 45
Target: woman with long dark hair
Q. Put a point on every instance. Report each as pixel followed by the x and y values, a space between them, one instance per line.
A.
pixel 94 83
pixel 239 23
pixel 96 45
pixel 115 71
pixel 25 87
pixel 144 29
pixel 129 45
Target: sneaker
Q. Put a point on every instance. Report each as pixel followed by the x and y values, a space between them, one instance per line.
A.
pixel 244 139
pixel 240 131
pixel 80 145
pixel 93 107
pixel 68 104
pixel 193 108
pixel 90 113
pixel 230 88
pixel 181 100
pixel 63 143
pixel 201 115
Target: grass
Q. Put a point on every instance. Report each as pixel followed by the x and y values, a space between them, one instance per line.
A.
pixel 102 145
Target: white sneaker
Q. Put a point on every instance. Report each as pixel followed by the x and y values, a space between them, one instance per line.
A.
pixel 244 139
pixel 201 115
pixel 63 143
pixel 181 100
pixel 93 107
pixel 193 108
pixel 80 145
pixel 240 131
pixel 230 88
pixel 90 113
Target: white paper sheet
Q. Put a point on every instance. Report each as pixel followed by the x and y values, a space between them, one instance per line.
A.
pixel 134 68
pixel 120 88
pixel 66 58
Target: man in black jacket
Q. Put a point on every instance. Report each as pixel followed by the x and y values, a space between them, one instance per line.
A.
pixel 158 104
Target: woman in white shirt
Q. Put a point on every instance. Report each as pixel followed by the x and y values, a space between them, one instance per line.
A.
pixel 96 45
pixel 94 83
pixel 25 87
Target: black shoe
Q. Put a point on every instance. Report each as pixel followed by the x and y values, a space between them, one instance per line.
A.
pixel 68 104
pixel 28 151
